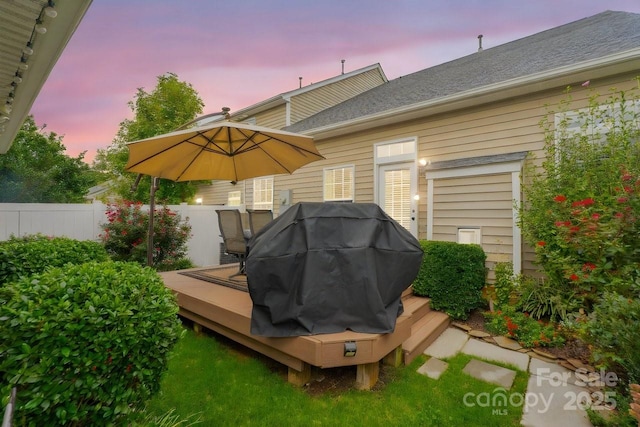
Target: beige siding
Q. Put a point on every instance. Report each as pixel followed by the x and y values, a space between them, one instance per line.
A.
pixel 483 202
pixel 504 127
pixel 273 118
pixel 217 193
pixel 309 103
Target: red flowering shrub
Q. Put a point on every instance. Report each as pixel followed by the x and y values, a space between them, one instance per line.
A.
pixel 583 203
pixel 125 235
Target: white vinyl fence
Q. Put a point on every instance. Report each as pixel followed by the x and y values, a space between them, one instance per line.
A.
pixel 82 222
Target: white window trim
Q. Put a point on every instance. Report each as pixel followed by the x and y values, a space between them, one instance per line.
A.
pixel 513 167
pixel 401 158
pixel 353 183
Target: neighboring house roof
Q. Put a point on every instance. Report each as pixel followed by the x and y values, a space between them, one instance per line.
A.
pixel 283 98
pixel 591 45
pixel 27 54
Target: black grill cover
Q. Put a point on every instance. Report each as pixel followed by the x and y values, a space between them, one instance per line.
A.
pixel 328 267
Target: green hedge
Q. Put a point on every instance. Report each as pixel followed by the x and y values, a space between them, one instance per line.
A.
pixel 85 344
pixel 453 276
pixel 33 254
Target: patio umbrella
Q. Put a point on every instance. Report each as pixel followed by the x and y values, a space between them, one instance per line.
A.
pixel 224 150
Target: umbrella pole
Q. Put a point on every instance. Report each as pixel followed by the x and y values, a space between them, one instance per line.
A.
pixel 152 208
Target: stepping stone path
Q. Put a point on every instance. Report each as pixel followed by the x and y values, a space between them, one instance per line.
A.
pixel 552 380
pixel 433 368
pixel 490 373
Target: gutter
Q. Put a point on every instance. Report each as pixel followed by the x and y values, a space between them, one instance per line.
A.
pixel 618 63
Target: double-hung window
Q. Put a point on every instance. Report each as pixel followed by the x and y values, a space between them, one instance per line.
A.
pixel 338 184
pixel 263 193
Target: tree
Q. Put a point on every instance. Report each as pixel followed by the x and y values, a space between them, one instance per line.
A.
pixel 171 104
pixel 36 170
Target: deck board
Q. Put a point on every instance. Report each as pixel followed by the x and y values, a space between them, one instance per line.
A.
pixel 228 311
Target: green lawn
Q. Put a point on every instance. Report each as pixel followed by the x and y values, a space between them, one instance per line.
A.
pixel 223 387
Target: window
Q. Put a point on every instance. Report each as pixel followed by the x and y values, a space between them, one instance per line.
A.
pixel 596 123
pixel 339 184
pixel 234 198
pixel 263 193
pixel 395 149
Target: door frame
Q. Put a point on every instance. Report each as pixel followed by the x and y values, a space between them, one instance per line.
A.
pixel 408 160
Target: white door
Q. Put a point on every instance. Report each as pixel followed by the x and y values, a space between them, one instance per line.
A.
pixel 396 187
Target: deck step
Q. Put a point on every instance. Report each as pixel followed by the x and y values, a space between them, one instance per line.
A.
pixel 416 307
pixel 423 333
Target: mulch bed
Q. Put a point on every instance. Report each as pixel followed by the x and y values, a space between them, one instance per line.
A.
pixel 574 349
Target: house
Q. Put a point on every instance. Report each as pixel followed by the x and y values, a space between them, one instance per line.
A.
pixel 34 34
pixel 278 112
pixel 442 150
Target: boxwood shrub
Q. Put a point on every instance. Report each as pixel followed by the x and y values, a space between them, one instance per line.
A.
pixel 453 276
pixel 85 344
pixel 27 255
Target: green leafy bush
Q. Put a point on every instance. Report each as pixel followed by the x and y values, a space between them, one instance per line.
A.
pixel 125 236
pixel 32 254
pixel 504 285
pixel 453 276
pixel 85 344
pixel 542 300
pixel 612 329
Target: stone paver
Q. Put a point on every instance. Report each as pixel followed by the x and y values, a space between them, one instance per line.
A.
pixel 551 404
pixel 490 373
pixel 556 396
pixel 507 343
pixel 554 373
pixel 433 368
pixel 493 352
pixel 448 344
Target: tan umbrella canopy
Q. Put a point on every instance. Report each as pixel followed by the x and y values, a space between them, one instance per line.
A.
pixel 225 150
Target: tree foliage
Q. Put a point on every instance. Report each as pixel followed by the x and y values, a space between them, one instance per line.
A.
pixel 36 170
pixel 171 104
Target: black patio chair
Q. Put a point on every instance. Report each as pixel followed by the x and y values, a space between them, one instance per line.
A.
pixel 233 237
pixel 258 218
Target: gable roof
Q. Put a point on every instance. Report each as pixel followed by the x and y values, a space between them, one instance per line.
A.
pixel 284 97
pixel 587 44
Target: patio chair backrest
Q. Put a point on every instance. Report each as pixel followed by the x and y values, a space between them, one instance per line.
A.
pixel 230 223
pixel 258 218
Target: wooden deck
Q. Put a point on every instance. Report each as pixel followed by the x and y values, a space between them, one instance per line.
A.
pixel 227 311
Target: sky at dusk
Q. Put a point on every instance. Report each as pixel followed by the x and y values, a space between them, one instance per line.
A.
pixel 237 53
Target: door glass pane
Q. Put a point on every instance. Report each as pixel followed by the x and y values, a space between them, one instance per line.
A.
pixel 397 195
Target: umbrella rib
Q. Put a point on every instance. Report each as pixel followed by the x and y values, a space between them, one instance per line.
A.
pixel 210 141
pixel 257 146
pixel 154 155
